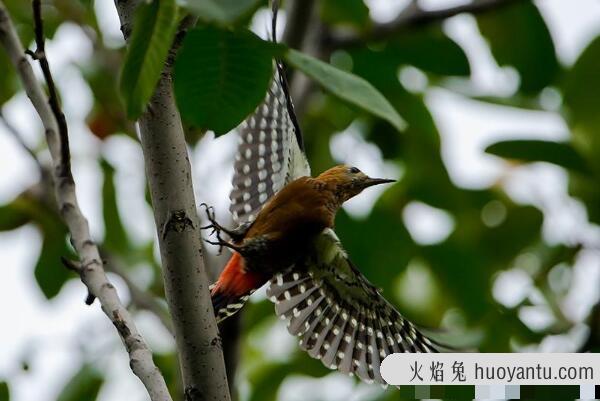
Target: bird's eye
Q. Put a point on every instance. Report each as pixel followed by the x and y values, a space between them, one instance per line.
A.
pixel 354 170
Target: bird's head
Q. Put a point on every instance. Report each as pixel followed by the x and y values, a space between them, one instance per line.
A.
pixel 347 181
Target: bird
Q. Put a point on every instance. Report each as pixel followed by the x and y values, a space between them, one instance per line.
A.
pixel 285 239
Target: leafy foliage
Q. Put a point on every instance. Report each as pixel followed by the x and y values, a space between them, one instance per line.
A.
pixel 354 13
pixel 15 214
pixel 50 274
pixel 151 39
pixel 581 88
pixel 534 58
pixel 8 83
pixel 84 385
pixel 347 87
pixel 4 393
pixel 408 49
pixel 116 238
pixel 561 154
pixel 223 11
pixel 221 76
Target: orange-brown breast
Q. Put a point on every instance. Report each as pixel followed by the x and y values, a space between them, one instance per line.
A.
pixel 304 206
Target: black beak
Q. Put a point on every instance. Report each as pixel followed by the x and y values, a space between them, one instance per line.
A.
pixel 369 182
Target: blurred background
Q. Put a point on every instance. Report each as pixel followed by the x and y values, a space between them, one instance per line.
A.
pixel 491 232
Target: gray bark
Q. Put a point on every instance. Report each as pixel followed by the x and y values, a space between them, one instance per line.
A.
pixel 186 285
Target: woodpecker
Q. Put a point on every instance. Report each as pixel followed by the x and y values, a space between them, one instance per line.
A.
pixel 285 239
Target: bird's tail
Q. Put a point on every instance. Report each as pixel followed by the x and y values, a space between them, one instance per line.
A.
pixel 226 305
pixel 234 287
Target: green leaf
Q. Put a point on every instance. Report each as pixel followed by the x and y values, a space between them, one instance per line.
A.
pixel 116 238
pixel 22 17
pixel 16 213
pixel 49 272
pixel 153 33
pixel 463 273
pixel 521 228
pixel 4 393
pixel 581 89
pixel 8 79
pixel 424 48
pixel 346 86
pixel 588 191
pixel 519 37
pixel 221 76
pixel 351 12
pixel 561 154
pixel 107 117
pixel 84 385
pixel 221 11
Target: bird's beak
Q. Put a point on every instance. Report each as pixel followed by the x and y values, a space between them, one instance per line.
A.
pixel 369 182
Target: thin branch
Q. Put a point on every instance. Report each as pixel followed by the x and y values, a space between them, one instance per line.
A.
pixel 91 269
pixel 40 55
pixel 75 267
pixel 303 31
pixel 140 298
pixel 299 15
pixel 413 16
pixel 168 172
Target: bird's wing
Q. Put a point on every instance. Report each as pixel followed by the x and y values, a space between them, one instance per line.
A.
pixel 339 316
pixel 270 152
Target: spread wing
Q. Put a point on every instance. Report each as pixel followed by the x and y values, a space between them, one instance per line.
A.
pixel 339 316
pixel 270 152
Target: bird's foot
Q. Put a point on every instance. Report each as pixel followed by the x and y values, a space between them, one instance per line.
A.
pixel 214 225
pixel 235 235
pixel 218 229
pixel 222 243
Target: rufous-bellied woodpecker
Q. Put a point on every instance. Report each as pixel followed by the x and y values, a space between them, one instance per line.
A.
pixel 285 238
pixel 283 232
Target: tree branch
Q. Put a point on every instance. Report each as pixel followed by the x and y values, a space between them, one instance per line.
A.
pixel 299 15
pixel 140 298
pixel 186 285
pixel 91 270
pixel 303 31
pixel 413 17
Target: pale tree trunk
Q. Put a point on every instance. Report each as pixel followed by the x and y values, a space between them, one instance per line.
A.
pixel 186 284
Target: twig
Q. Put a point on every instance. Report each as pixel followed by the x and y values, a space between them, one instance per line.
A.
pixel 75 266
pixel 298 19
pixel 40 55
pixel 91 270
pixel 412 17
pixel 139 297
pixel 168 172
pixel 304 31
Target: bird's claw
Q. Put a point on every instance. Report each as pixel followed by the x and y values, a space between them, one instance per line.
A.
pixel 210 215
pixel 214 225
pixel 219 244
pixel 222 243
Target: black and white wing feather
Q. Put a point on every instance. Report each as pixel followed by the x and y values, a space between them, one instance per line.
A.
pixel 339 316
pixel 270 152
